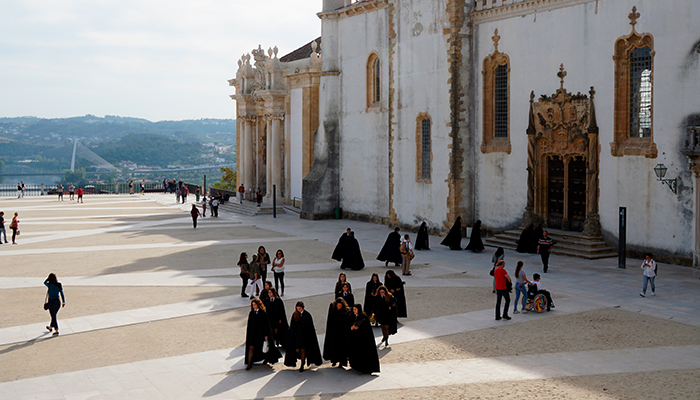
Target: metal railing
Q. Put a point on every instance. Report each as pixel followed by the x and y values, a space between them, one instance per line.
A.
pixel 93 188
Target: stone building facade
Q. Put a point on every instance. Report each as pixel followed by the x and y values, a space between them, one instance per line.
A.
pixel 507 111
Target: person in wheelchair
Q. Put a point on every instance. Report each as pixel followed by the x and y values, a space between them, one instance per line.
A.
pixel 536 288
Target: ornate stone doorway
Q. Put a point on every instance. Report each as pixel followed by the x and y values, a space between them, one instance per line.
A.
pixel 563 159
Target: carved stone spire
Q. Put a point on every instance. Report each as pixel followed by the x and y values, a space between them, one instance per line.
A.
pixel 593 126
pixel 561 74
pixel 633 16
pixel 495 39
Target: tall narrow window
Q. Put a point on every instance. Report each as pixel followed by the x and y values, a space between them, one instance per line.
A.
pixel 634 94
pixel 496 94
pixel 374 81
pixel 424 154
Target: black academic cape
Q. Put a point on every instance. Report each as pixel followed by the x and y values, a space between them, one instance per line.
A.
pixel 335 345
pixel 391 252
pixel 454 236
pixel 278 319
pixel 362 348
pixel 385 311
pixel 259 327
pixel 399 294
pixel 422 240
pixel 339 250
pixel 339 289
pixel 302 335
pixel 475 242
pixel 352 258
pixel 525 240
pixel 370 291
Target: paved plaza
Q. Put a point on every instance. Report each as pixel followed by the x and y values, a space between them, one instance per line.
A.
pixel 153 311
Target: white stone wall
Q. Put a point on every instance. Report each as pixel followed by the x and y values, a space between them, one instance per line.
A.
pixel 582 37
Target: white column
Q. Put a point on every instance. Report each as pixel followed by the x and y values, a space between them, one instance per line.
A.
pixel 277 151
pixel 248 150
pixel 696 253
pixel 268 165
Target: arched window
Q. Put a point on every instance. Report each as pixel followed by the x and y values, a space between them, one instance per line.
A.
pixel 496 101
pixel 374 81
pixel 634 76
pixel 424 154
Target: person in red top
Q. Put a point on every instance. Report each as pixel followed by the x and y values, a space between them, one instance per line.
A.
pixel 501 276
pixel 80 194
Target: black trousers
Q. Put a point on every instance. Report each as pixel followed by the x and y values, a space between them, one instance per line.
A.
pixel 14 234
pixel 502 293
pixel 194 221
pixel 244 278
pixel 279 278
pixel 215 210
pixel 54 306
pixel 548 296
pixel 545 260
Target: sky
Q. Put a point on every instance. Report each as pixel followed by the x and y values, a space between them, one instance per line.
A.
pixel 152 59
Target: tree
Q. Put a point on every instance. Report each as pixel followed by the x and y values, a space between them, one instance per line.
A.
pixel 77 178
pixel 228 179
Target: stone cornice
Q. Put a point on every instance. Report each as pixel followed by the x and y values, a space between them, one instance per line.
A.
pixel 522 8
pixel 357 8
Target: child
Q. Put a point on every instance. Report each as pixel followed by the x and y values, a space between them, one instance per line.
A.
pixel 540 289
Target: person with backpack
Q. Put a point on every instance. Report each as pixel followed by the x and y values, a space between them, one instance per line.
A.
pixel 406 255
pixel 649 267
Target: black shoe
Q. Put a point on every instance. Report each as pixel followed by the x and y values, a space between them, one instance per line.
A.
pixel 408 274
pixel 545 271
pixel 498 318
pixel 386 264
pixel 301 369
pixel 249 367
pixel 244 295
pixel 507 318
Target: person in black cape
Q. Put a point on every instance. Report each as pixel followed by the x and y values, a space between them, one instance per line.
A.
pixel 362 351
pixel 346 294
pixel 385 310
pixel 342 279
pixel 475 243
pixel 454 237
pixel 339 250
pixel 525 239
pixel 395 286
pixel 264 293
pixel 303 343
pixel 278 317
pixel 371 294
pixel 335 346
pixel 391 250
pixel 422 239
pixel 257 332
pixel 352 258
pixel 537 234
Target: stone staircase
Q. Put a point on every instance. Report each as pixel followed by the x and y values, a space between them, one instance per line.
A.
pixel 249 208
pixel 573 244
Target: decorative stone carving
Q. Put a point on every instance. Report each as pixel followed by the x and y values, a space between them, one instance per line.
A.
pixel 490 143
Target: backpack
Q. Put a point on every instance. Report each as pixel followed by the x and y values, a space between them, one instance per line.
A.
pixel 404 248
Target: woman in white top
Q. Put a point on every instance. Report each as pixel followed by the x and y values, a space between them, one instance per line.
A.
pixel 649 267
pixel 278 271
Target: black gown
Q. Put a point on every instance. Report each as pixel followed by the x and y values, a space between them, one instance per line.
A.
pixel 525 240
pixel 339 250
pixel 422 239
pixel 391 252
pixel 370 290
pixel 454 237
pixel 352 258
pixel 475 243
pixel 278 319
pixel 399 294
pixel 335 345
pixel 362 348
pixel 385 311
pixel 348 297
pixel 339 289
pixel 259 327
pixel 302 335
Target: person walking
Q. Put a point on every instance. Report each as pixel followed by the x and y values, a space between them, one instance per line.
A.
pixel 255 277
pixel 371 293
pixel 259 331
pixel 278 271
pixel 362 353
pixel 215 207
pixel 342 280
pixel 23 188
pixel 352 257
pixel 59 189
pixel 520 289
pixel 204 206
pixel 303 342
pixel 54 289
pixel 499 255
pixel 454 237
pixel 395 286
pixel 259 196
pixel 14 225
pixel 240 193
pixel 335 344
pixel 339 250
pixel 385 310
pixel 502 278
pixel 131 186
pixel 422 239
pixel 278 317
pixel 3 232
pixel 194 212
pixel 19 191
pixel 263 261
pixel 197 195
pixel 544 247
pixel 475 243
pixel 390 251
pixel 71 192
pixel 346 294
pixel 80 194
pixel 244 273
pixel 143 186
pixel 406 255
pixel 165 186
pixel 649 268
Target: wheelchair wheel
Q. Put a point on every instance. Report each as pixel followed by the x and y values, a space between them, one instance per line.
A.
pixel 540 303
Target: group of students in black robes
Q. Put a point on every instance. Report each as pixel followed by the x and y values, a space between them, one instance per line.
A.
pixel 453 240
pixel 349 338
pixel 529 239
pixel 348 252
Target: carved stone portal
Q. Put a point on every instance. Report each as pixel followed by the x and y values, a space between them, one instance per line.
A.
pixel 563 159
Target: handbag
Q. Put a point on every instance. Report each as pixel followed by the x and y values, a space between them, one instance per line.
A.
pixel 492 271
pixel 266 346
pixel 46 301
pixel 509 285
pixel 18 232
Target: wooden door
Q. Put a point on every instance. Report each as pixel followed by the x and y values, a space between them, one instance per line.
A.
pixel 576 186
pixel 555 193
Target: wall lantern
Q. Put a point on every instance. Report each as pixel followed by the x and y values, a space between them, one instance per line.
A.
pixel 660 171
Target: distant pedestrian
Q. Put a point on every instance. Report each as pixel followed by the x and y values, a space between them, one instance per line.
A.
pixel 165 186
pixel 71 192
pixel 19 191
pixel 143 186
pixel 244 272
pixel 194 212
pixel 177 194
pixel 422 239
pixel 475 243
pixel 60 192
pixel 185 192
pixel 256 280
pixel 259 196
pixel 352 257
pixel 339 250
pixel 649 268
pixel 131 186
pixel 80 194
pixel 197 194
pixel 263 261
pixel 23 187
pixel 215 207
pixel 54 289
pixel 241 192
pixel 278 271
pixel 544 247
pixel 14 225
pixel 498 256
pixel 3 232
pixel 454 237
pixel 502 278
pixel 406 255
pixel 204 206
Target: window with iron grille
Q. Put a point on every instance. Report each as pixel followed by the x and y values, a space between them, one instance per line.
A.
pixel 377 82
pixel 501 102
pixel 425 148
pixel 640 92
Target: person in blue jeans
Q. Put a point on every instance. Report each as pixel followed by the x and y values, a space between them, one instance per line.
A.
pixel 54 289
pixel 649 267
pixel 520 288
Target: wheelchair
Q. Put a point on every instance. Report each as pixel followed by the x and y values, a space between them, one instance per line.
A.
pixel 536 302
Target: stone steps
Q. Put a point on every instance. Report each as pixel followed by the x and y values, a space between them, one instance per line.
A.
pixel 249 208
pixel 573 244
